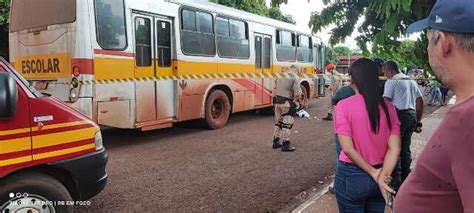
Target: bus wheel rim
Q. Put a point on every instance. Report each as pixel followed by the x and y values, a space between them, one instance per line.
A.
pixel 217 109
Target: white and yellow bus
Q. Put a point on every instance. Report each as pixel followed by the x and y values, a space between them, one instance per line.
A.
pixel 58 41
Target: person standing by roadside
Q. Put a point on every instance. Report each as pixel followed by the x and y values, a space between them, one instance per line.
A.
pixel 380 62
pixel 287 94
pixel 335 79
pixel 341 94
pixel 435 93
pixel 408 99
pixel 444 94
pixel 442 178
pixel 369 134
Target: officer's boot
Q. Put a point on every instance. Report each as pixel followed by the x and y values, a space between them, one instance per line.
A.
pixel 276 143
pixel 286 147
pixel 328 117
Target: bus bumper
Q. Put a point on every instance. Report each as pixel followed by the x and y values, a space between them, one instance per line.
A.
pixel 88 172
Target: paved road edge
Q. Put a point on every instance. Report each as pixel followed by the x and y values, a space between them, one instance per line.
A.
pixel 314 198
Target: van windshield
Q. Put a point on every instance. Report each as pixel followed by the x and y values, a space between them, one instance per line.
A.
pixel 28 14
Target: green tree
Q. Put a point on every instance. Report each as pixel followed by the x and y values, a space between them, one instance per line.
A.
pixel 385 22
pixel 4 15
pixel 405 54
pixel 337 52
pixel 331 57
pixel 342 50
pixel 258 7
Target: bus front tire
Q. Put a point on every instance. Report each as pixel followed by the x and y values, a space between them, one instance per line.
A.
pixel 217 109
pixel 35 188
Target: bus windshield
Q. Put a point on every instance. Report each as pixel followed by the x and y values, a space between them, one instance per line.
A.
pixel 28 14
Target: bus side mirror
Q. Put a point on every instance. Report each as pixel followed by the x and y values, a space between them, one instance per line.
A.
pixel 8 96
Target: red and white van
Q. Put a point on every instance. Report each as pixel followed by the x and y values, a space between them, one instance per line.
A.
pixel 51 156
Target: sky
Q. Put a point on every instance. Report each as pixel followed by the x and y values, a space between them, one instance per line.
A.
pixel 301 11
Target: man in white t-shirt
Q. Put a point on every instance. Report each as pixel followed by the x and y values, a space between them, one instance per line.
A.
pixel 408 99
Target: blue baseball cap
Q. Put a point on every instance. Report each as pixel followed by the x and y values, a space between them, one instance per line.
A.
pixel 455 16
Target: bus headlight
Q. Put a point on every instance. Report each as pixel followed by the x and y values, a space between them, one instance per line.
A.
pixel 98 141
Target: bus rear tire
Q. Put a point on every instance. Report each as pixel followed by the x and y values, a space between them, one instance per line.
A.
pixel 217 110
pixel 34 190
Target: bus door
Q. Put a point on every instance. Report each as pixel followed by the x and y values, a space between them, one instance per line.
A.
pixel 155 100
pixel 145 97
pixel 263 64
pixel 165 90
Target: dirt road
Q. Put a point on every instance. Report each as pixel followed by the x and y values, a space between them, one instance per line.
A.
pixel 188 169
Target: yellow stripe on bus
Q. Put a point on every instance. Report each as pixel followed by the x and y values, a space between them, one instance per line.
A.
pixel 63 152
pixel 15 145
pixel 113 68
pixel 41 141
pixel 15 161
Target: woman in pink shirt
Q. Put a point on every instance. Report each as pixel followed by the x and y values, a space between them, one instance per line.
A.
pixel 369 134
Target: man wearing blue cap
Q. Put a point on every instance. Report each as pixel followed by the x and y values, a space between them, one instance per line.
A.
pixel 443 179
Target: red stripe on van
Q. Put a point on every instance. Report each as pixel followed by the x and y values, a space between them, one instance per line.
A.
pixel 15 154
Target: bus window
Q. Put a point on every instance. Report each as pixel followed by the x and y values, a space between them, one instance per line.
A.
pixel 238 29
pixel 142 42
pixel 163 33
pixel 303 51
pixel 26 14
pixel 286 38
pixel 258 51
pixel 316 56
pixel 204 21
pixel 197 35
pixel 268 53
pixel 110 23
pixel 189 20
pixel 222 27
pixel 232 39
pixel 285 50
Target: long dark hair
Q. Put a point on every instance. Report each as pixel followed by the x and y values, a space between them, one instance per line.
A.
pixel 364 73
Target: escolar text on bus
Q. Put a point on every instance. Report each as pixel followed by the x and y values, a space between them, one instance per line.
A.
pixel 40 66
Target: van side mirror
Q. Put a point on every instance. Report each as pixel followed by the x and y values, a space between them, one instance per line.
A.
pixel 8 96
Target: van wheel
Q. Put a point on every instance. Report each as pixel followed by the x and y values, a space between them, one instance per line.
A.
pixel 217 109
pixel 305 94
pixel 34 192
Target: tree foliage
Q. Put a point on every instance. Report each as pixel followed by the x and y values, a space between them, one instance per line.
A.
pixel 342 50
pixel 385 21
pixel 331 57
pixel 4 15
pixel 405 54
pixel 258 7
pixel 4 8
